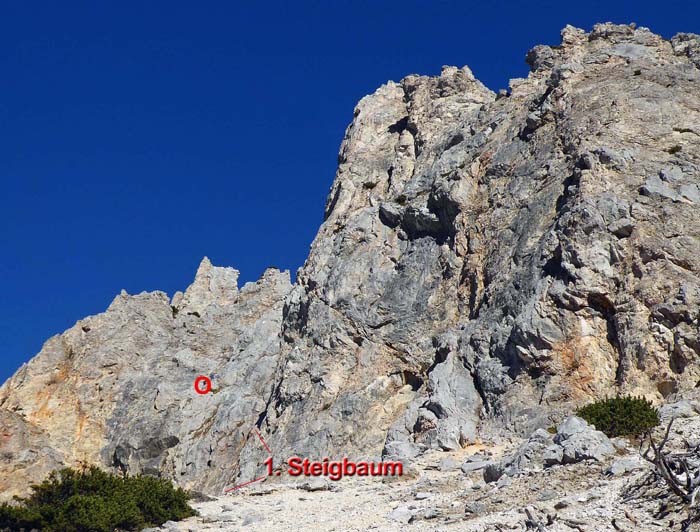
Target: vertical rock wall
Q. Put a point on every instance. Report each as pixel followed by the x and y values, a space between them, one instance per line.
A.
pixel 486 262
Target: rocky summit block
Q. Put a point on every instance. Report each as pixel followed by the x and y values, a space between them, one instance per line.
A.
pixel 485 261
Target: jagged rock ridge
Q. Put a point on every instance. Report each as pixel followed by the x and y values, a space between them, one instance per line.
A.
pixel 486 262
pixel 117 389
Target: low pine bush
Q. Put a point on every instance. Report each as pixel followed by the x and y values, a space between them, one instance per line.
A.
pixel 621 416
pixel 91 500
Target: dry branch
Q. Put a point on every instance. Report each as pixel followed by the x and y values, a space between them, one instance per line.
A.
pixel 680 471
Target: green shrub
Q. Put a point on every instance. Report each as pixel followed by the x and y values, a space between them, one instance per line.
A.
pixel 621 416
pixel 91 500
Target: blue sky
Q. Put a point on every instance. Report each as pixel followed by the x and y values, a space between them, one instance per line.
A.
pixel 137 137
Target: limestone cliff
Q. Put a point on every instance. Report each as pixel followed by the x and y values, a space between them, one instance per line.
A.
pixel 117 389
pixel 486 262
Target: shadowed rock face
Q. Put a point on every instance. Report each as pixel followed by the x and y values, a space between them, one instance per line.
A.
pixel 485 261
pixel 500 257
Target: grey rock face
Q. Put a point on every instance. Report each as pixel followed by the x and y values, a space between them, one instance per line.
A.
pixel 687 44
pixel 117 389
pixel 508 239
pixel 481 257
pixel 25 453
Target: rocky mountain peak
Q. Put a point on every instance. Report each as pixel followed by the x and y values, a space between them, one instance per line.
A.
pixel 212 285
pixel 487 263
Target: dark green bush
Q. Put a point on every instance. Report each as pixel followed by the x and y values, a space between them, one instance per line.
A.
pixel 621 416
pixel 91 500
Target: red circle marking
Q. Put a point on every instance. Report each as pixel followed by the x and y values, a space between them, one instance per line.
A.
pixel 207 385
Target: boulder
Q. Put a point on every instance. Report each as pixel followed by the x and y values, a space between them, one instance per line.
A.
pixel 680 409
pixel 625 465
pixel 580 441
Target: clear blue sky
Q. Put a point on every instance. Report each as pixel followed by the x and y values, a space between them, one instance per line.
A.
pixel 137 137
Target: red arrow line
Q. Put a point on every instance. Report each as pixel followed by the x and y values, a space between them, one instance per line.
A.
pixel 263 441
pixel 243 485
